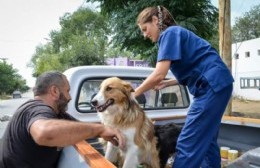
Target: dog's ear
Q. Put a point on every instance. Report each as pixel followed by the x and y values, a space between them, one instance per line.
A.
pixel 128 87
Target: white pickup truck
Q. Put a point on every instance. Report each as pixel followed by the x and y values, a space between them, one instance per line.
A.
pixel 170 104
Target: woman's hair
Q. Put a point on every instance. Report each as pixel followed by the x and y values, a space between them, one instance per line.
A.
pixel 164 16
pixel 46 80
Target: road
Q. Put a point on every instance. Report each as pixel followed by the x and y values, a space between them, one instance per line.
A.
pixel 8 107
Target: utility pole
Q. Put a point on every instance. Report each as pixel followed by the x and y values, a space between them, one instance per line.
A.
pixel 225 45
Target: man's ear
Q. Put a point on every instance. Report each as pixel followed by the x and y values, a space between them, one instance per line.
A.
pixel 54 91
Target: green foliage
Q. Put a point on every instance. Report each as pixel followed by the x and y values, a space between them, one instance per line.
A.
pixel 248 26
pixel 10 79
pixel 200 16
pixel 82 40
pixel 83 37
pixel 84 50
pixel 45 59
pixel 114 52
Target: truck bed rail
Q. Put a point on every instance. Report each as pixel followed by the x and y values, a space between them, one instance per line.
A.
pixel 83 155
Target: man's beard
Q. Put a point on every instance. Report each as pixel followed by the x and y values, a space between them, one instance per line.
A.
pixel 62 103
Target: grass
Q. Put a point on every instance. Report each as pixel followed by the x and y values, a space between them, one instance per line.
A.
pixel 5 97
pixel 245 108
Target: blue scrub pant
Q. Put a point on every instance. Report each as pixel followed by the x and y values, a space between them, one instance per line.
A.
pixel 197 144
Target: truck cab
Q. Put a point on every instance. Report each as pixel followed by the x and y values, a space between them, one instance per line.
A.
pixel 161 106
pixel 170 104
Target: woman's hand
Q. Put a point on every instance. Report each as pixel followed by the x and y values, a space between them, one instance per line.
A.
pixel 165 83
pixel 161 85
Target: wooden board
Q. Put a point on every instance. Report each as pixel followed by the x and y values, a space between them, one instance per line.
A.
pixel 92 156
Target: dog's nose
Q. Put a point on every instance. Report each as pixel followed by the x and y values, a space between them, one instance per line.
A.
pixel 94 102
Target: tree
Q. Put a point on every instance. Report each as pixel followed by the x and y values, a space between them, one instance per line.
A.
pixel 10 79
pixel 114 52
pixel 45 59
pixel 248 26
pixel 82 40
pixel 200 16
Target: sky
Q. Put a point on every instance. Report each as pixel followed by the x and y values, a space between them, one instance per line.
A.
pixel 238 7
pixel 25 24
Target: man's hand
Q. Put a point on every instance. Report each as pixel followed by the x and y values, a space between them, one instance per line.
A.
pixel 114 136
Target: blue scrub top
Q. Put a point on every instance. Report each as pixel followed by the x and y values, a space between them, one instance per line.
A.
pixel 192 58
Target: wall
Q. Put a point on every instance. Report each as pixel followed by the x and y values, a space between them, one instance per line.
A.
pixel 123 61
pixel 246 66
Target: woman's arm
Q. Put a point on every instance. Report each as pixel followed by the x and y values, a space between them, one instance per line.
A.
pixel 154 78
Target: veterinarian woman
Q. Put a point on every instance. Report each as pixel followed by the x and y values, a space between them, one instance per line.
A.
pixel 197 65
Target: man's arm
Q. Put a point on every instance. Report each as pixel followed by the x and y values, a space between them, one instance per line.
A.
pixel 52 132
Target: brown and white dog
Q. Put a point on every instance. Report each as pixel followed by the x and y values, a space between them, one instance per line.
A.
pixel 118 108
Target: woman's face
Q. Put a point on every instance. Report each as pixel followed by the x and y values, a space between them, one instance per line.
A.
pixel 150 29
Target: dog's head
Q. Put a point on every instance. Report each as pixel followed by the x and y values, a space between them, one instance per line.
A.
pixel 113 93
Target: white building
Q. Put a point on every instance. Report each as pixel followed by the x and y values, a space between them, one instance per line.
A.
pixel 246 69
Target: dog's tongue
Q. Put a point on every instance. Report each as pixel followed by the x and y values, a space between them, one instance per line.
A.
pixel 103 107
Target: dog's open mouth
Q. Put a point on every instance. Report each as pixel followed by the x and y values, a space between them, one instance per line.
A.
pixel 103 107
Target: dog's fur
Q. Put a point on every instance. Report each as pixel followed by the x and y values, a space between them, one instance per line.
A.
pixel 118 108
pixel 167 136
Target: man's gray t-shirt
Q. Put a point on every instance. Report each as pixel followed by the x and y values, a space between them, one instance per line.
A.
pixel 18 148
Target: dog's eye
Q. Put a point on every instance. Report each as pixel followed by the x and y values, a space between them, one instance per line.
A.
pixel 108 88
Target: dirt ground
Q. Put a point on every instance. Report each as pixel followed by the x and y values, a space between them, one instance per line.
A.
pixel 245 108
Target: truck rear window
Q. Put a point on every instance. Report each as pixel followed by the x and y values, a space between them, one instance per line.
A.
pixel 170 97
